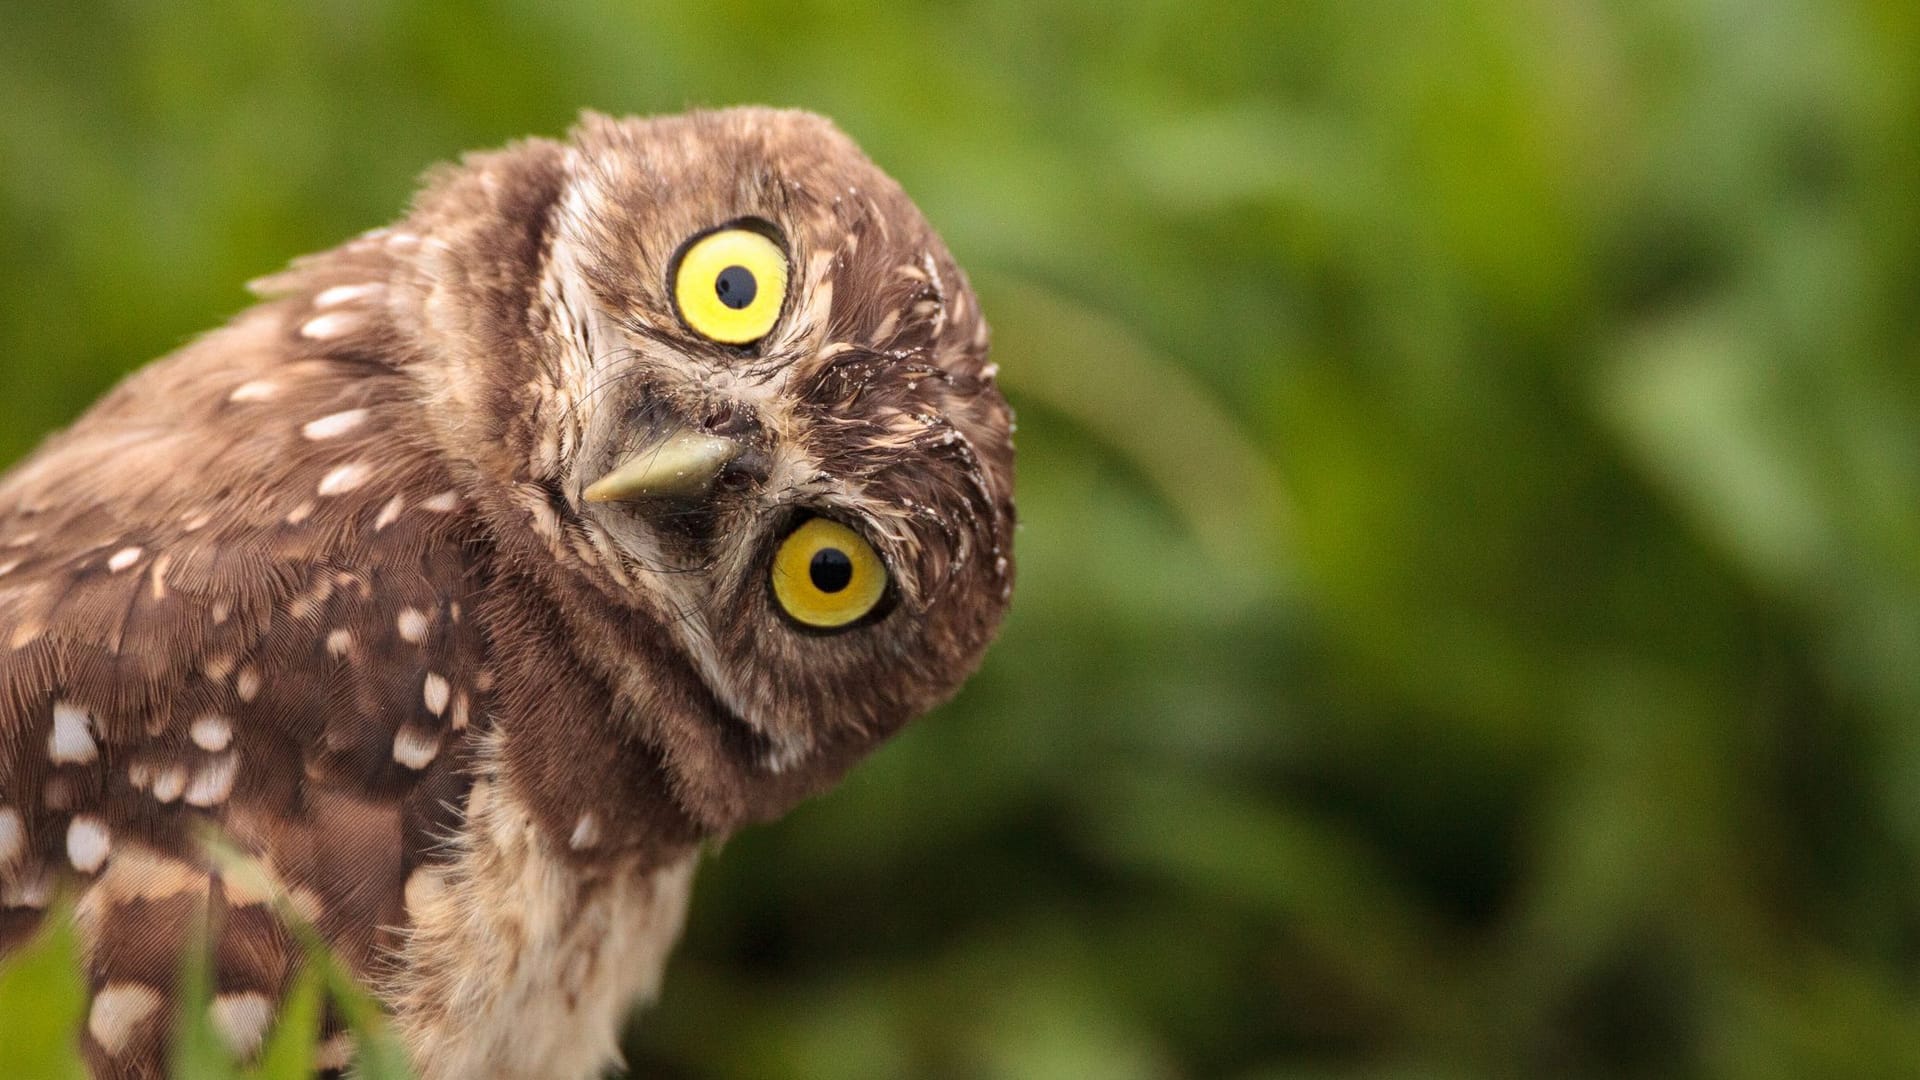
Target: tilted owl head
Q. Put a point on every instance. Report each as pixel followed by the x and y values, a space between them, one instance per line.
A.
pixel 736 381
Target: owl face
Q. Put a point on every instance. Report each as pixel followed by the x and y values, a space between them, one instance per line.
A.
pixel 749 403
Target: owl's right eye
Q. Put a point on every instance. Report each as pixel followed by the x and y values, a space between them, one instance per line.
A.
pixel 825 576
pixel 730 284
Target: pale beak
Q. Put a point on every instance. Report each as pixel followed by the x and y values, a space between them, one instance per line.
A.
pixel 680 466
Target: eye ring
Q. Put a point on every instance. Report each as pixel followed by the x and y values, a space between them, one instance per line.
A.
pixel 826 577
pixel 729 284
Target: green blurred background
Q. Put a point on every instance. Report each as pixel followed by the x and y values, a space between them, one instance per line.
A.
pixel 1469 621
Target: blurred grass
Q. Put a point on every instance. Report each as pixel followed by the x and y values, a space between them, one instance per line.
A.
pixel 1470 466
pixel 45 996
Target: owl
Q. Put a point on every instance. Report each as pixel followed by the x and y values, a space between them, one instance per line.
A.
pixel 626 492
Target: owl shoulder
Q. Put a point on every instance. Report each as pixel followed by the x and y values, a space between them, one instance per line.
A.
pixel 237 591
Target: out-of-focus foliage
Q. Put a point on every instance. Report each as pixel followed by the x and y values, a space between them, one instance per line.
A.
pixel 1469 621
pixel 43 1004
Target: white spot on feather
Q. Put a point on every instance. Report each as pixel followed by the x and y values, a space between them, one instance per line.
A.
pixel 328 326
pixel 443 503
pixel 71 741
pixel 245 886
pixel 256 390
pixel 344 478
pixel 346 294
pixel 340 642
pixel 435 692
pixel 170 783
pixel 241 1019
pixel 390 513
pixel 247 684
pixel 415 748
pixel 87 842
pixel 412 624
pixel 124 558
pixel 334 425
pixel 212 782
pixel 211 732
pixel 306 903
pixel 118 1010
pixel 13 835
pixel 157 576
pixel 586 833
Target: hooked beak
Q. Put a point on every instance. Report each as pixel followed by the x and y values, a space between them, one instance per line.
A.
pixel 682 465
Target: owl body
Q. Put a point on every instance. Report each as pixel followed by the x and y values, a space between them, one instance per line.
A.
pixel 627 492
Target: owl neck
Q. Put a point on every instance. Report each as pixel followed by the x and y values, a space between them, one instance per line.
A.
pixel 563 744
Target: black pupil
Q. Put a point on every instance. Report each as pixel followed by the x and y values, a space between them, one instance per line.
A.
pixel 830 570
pixel 735 287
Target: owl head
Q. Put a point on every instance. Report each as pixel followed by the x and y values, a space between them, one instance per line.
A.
pixel 723 395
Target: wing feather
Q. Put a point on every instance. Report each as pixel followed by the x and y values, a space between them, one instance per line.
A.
pixel 234 594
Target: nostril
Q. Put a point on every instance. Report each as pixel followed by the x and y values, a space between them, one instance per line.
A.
pixel 728 421
pixel 748 470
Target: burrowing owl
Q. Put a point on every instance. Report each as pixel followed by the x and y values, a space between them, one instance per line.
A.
pixel 628 491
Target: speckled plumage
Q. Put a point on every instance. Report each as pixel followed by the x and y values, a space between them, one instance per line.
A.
pixel 325 580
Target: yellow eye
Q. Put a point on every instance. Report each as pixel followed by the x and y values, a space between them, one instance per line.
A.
pixel 824 575
pixel 730 284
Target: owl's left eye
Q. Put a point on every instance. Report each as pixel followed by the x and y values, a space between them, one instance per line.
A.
pixel 825 576
pixel 729 285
